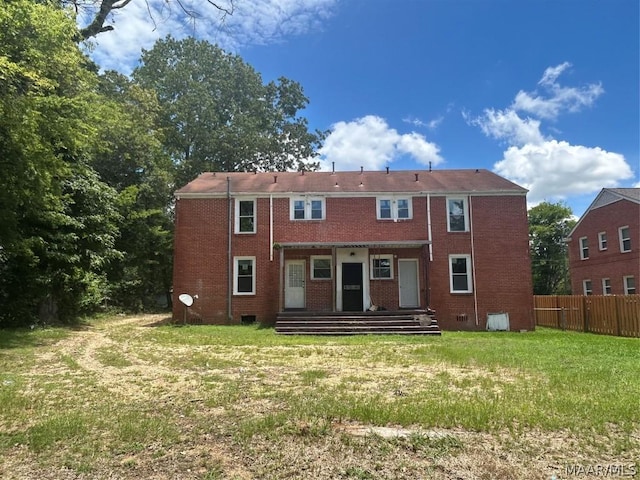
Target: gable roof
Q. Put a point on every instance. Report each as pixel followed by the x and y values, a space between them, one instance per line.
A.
pixel 328 183
pixel 607 196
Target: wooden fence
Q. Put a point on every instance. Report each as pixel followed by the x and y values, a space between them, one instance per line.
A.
pixel 610 315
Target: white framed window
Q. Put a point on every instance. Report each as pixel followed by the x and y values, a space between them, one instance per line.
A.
pixel 587 287
pixel 625 239
pixel 457 214
pixel 394 208
pixel 307 208
pixel 244 275
pixel 245 218
pixel 460 274
pixel 602 241
pixel 321 268
pixel 606 286
pixel 629 285
pixel 381 267
pixel 584 248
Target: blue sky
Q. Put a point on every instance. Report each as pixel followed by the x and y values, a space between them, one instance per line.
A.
pixel 544 93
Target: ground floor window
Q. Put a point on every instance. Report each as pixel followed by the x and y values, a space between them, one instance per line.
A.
pixel 629 285
pixel 382 266
pixel 321 267
pixel 460 273
pixel 244 278
pixel 587 287
pixel 606 286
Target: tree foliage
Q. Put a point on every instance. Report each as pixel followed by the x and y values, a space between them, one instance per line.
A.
pixel 549 226
pixel 219 116
pixel 99 11
pixel 57 231
pixel 89 161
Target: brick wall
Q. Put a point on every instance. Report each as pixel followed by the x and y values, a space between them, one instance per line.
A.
pixel 502 268
pixel 609 263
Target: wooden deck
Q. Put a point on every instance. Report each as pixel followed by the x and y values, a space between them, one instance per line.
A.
pixel 403 322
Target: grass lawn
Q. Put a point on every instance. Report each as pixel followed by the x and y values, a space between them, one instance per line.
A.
pixel 121 398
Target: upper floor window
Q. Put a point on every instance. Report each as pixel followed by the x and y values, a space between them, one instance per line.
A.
pixel 602 240
pixel 381 266
pixel 629 285
pixel 321 267
pixel 245 216
pixel 460 273
pixel 394 208
pixel 307 208
pixel 584 248
pixel 625 239
pixel 606 286
pixel 457 215
pixel 244 277
pixel 587 287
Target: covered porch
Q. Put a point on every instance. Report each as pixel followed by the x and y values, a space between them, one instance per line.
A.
pixel 353 277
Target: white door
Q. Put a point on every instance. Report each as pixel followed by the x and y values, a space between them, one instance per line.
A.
pixel 294 284
pixel 408 283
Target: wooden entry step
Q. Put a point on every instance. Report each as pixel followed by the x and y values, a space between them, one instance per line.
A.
pixel 403 322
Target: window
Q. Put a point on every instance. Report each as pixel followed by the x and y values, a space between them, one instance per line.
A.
pixel 584 248
pixel 606 286
pixel 602 240
pixel 460 273
pixel 587 288
pixel 382 266
pixel 625 239
pixel 304 208
pixel 394 209
pixel 245 216
pixel 244 277
pixel 629 285
pixel 457 214
pixel 384 209
pixel 321 268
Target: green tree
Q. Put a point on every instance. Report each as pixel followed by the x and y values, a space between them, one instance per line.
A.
pixel 129 157
pixel 549 226
pixel 57 228
pixel 219 116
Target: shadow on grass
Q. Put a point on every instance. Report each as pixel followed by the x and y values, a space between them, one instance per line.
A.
pixel 36 336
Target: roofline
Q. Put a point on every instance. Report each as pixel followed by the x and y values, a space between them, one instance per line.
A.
pixel 357 244
pixel 590 207
pixel 487 193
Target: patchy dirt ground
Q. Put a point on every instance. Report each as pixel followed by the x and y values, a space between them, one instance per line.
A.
pixel 213 440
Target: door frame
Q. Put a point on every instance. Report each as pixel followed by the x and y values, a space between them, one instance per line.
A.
pixel 416 262
pixel 287 264
pixel 353 255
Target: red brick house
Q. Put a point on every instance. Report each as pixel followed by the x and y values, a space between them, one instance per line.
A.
pixel 604 258
pixel 251 245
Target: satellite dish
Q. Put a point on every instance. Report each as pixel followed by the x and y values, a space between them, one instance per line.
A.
pixel 186 299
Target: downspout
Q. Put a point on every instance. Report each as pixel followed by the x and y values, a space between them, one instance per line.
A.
pixel 473 263
pixel 427 263
pixel 271 227
pixel 229 258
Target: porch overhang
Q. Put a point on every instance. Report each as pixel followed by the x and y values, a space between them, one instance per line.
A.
pixel 363 244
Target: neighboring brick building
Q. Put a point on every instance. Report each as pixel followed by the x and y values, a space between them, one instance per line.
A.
pixel 604 258
pixel 250 245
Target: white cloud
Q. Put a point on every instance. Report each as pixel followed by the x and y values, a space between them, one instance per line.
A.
pixel 551 169
pixel 561 99
pixel 555 170
pixel 507 125
pixel 431 124
pixel 139 24
pixel 369 142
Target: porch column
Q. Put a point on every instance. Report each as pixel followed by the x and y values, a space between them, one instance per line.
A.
pixel 333 278
pixel 281 282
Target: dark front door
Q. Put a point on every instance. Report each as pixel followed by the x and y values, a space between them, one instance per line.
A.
pixel 352 287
